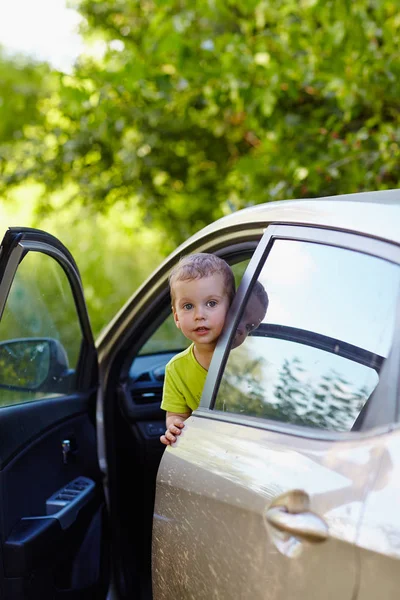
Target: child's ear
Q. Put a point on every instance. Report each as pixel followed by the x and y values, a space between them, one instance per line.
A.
pixel 176 318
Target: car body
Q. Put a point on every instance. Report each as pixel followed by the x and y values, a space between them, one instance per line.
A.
pixel 283 484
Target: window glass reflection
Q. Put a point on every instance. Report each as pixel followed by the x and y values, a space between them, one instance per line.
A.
pixel 315 357
pixel 40 305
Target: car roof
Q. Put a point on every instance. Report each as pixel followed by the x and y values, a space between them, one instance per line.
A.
pixel 371 213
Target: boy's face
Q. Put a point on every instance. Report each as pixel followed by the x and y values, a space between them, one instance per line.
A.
pixel 200 308
pixel 251 318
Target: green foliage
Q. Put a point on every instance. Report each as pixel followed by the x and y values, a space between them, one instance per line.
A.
pixel 197 109
pixel 23 84
pixel 114 253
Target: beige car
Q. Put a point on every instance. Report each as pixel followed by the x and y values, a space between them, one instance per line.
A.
pixel 284 484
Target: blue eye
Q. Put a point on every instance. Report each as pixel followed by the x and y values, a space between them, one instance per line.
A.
pixel 211 303
pixel 187 306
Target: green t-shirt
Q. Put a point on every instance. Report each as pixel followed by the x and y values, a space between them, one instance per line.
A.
pixel 184 382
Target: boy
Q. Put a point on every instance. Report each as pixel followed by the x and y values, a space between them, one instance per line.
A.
pixel 197 281
pixel 202 288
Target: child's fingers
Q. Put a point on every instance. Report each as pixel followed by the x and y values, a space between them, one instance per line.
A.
pixel 168 437
pixel 174 430
pixel 170 434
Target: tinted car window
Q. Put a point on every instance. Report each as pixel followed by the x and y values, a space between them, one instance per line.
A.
pixel 40 305
pixel 314 359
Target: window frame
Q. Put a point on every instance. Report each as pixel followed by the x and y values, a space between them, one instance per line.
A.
pixel 386 396
pixel 16 244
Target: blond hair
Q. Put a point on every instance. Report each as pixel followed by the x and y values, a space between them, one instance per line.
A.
pixel 199 265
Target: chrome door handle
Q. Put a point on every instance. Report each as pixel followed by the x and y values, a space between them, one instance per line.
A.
pixel 305 525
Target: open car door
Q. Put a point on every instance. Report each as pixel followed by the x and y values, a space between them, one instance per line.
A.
pixel 53 532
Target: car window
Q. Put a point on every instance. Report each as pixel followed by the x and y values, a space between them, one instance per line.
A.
pixel 314 359
pixel 168 338
pixel 40 307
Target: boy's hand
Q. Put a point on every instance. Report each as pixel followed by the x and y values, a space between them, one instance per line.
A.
pixel 173 430
pixel 175 424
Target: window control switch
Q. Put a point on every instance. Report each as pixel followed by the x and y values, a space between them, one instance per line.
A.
pixel 66 502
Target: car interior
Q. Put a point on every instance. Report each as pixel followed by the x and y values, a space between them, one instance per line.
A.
pixel 137 449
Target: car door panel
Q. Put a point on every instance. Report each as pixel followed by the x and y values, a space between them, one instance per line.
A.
pixel 379 532
pixel 22 423
pixel 25 501
pixel 53 526
pixel 219 473
pixel 35 546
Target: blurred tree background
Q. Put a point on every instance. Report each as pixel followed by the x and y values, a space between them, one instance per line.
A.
pixel 188 111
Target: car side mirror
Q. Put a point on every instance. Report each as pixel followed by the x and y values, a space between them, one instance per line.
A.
pixel 34 365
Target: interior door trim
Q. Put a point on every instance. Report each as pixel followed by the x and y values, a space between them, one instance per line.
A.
pixel 38 416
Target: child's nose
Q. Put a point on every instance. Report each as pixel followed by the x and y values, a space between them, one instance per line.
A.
pixel 199 313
